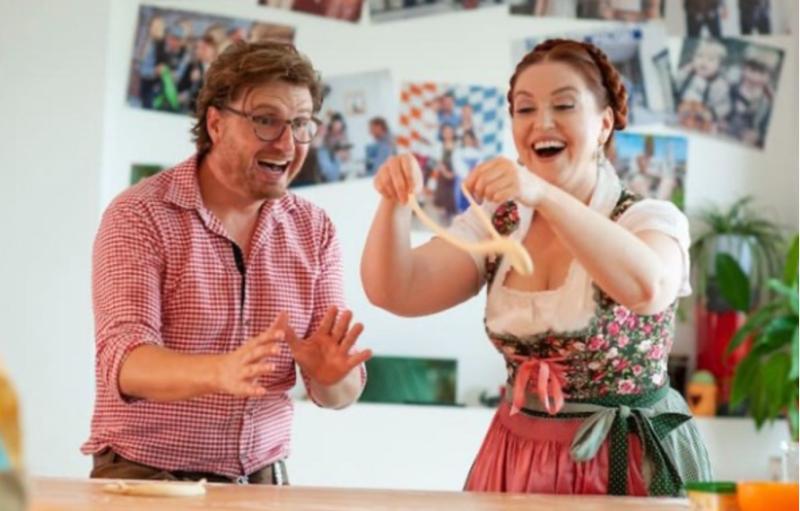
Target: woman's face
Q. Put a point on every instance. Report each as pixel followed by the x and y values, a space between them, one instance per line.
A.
pixel 558 124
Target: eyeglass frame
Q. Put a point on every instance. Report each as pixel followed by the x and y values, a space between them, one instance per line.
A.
pixel 286 122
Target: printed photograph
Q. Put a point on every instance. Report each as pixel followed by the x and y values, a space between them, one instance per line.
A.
pixel 392 10
pixel 450 129
pixel 356 135
pixel 173 50
pixel 651 165
pixel 635 53
pixel 727 87
pixel 346 10
pixel 632 11
pixel 726 18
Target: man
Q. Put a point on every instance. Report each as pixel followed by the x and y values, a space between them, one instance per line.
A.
pixel 381 147
pixel 704 13
pixel 207 276
pixel 754 15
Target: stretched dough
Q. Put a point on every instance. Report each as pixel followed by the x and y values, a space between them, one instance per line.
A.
pixel 157 489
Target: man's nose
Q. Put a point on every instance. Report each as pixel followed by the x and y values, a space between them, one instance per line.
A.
pixel 285 142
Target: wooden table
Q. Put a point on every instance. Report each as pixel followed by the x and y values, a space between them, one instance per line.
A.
pixel 50 494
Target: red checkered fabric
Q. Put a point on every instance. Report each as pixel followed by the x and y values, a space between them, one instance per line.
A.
pixel 165 274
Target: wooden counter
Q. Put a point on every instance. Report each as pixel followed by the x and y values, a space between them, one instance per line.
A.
pixel 49 494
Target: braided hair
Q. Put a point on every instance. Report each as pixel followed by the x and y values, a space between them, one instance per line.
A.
pixel 601 76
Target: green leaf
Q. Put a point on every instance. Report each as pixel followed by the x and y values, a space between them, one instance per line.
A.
pixel 743 378
pixel 778 332
pixel 790 270
pixel 793 373
pixel 775 381
pixel 733 283
pixel 756 321
pixel 789 292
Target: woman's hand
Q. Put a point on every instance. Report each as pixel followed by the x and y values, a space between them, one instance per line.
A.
pixel 500 179
pixel 398 177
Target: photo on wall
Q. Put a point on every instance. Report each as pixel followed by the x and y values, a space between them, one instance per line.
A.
pixel 726 18
pixel 450 129
pixel 392 10
pixel 631 11
pixel 727 87
pixel 634 52
pixel 346 10
pixel 651 166
pixel 173 50
pixel 356 133
pixel 140 171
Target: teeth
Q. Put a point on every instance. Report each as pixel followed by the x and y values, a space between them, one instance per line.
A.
pixel 275 163
pixel 548 144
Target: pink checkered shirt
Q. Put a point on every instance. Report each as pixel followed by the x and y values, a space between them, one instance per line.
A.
pixel 165 274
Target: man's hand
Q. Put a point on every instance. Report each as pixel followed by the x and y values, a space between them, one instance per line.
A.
pixel 238 371
pixel 325 356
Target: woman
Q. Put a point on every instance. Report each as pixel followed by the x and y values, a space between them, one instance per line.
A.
pixel 587 408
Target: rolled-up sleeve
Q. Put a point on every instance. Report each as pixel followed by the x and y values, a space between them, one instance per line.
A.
pixel 329 288
pixel 126 290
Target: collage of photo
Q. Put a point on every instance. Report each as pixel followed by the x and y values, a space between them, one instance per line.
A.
pixel 723 86
pixel 449 129
pixel 173 49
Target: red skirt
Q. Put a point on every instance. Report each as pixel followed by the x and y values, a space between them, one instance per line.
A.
pixel 531 454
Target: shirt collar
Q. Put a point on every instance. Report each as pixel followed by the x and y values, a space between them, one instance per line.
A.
pixel 184 191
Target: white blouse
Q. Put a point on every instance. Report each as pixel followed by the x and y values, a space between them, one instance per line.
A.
pixel 571 306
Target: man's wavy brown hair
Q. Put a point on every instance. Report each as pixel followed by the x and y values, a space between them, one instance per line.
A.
pixel 243 66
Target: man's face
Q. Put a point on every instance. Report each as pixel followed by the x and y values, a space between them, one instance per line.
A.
pixel 376 130
pixel 449 103
pixel 255 168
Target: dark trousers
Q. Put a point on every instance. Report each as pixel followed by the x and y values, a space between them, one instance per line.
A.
pixel 107 464
pixel 757 19
pixel 695 22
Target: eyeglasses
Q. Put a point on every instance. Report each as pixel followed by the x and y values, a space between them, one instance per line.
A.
pixel 269 128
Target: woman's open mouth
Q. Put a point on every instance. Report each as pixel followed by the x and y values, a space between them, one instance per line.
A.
pixel 548 148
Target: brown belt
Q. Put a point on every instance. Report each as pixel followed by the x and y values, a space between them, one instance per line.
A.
pixel 108 464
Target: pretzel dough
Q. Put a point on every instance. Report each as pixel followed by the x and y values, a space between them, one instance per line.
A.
pixel 157 488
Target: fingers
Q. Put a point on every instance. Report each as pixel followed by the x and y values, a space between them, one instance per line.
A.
pixel 341 326
pixel 249 389
pixel 327 321
pixel 398 177
pixel 415 174
pixel 502 189
pixel 401 180
pixel 257 352
pixel 357 359
pixel 351 338
pixel 490 177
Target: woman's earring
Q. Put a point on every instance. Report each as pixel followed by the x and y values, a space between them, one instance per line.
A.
pixel 600 155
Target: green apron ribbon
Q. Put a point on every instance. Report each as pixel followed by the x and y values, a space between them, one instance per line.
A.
pixel 614 417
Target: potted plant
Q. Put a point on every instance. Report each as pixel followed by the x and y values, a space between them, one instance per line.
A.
pixel 754 242
pixel 766 379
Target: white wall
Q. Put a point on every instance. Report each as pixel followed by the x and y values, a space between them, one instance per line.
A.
pixel 71 140
pixel 432 447
pixel 52 59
